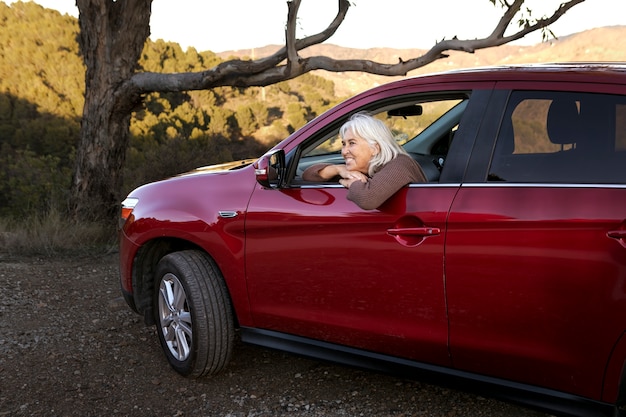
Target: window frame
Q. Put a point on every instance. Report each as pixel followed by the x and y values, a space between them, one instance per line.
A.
pixel 376 107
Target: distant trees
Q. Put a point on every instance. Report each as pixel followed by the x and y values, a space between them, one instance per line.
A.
pixel 41 96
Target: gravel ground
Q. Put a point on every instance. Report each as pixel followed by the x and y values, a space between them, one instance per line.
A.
pixel 69 346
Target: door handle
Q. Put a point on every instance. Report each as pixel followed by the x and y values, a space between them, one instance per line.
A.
pixel 414 231
pixel 617 234
pixel 620 235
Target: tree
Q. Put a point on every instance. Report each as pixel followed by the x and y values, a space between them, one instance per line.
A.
pixel 112 36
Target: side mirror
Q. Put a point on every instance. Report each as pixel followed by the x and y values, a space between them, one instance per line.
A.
pixel 270 169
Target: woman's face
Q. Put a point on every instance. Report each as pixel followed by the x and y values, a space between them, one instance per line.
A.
pixel 356 152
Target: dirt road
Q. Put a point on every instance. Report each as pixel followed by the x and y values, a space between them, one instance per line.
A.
pixel 69 346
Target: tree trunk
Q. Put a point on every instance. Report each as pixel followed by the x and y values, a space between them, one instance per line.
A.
pixel 112 36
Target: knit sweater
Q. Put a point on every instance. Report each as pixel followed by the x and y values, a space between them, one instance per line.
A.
pixel 371 194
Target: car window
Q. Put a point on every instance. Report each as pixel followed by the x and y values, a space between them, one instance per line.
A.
pixel 556 137
pixel 425 129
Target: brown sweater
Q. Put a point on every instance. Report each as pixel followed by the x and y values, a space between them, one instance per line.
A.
pixel 369 195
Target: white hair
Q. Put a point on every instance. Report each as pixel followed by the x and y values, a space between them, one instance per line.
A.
pixel 374 132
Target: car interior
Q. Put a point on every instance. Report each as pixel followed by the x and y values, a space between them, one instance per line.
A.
pixel 425 130
pixel 561 138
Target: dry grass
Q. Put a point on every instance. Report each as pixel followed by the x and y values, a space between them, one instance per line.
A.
pixel 53 234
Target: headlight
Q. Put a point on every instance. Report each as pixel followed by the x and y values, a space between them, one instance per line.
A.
pixel 128 205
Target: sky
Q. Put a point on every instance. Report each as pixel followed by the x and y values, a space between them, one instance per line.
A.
pixel 224 25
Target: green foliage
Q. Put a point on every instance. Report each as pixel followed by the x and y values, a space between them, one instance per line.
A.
pixel 30 183
pixel 148 161
pixel 295 115
pixel 41 106
pixel 40 62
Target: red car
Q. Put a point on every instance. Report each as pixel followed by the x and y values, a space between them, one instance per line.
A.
pixel 506 270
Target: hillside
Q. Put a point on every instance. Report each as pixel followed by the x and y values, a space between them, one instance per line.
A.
pixel 600 44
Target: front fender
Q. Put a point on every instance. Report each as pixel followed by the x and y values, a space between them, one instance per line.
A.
pixel 204 212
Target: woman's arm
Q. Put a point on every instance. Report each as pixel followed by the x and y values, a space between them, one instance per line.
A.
pixel 314 173
pixel 326 172
pixel 396 174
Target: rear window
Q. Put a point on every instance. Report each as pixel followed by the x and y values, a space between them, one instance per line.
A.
pixel 556 137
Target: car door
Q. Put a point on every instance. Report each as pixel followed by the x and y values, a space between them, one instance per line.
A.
pixel 535 254
pixel 320 267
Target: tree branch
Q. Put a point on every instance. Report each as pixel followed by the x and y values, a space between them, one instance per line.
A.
pixel 267 71
pixel 300 44
pixel 497 36
pixel 290 33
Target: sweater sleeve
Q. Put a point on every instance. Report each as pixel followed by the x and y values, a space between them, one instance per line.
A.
pixel 312 173
pixel 397 173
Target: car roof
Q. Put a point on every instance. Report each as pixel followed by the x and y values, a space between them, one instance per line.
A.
pixel 558 67
pixel 573 71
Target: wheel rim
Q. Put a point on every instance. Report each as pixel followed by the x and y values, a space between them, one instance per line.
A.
pixel 174 317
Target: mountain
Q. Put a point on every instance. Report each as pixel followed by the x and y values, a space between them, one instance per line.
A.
pixel 600 44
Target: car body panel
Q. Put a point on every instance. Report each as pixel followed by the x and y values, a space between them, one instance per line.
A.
pixel 340 276
pixel 530 272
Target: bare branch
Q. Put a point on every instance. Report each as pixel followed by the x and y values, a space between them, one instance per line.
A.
pixel 497 37
pixel 267 71
pixel 300 44
pixel 290 33
pixel 235 69
pixel 342 10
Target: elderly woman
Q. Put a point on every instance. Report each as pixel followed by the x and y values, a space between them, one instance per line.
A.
pixel 376 166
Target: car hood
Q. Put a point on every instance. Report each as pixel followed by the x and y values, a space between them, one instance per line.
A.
pixel 227 166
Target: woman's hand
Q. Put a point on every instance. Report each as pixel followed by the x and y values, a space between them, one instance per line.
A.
pixel 348 177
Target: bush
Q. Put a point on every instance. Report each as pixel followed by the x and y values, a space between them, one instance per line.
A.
pixel 31 183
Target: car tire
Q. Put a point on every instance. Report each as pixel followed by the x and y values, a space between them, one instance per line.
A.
pixel 193 314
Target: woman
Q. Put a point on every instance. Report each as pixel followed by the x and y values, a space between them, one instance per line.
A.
pixel 376 166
